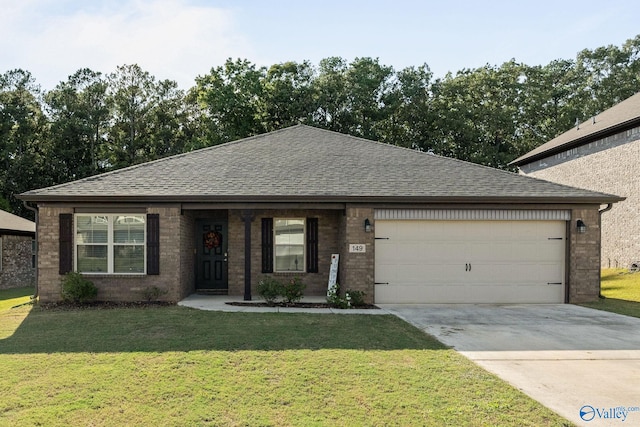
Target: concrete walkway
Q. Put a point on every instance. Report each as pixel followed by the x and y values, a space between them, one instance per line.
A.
pixel 219 303
pixel 583 364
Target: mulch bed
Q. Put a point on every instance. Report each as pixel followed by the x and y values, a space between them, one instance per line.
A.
pixel 296 305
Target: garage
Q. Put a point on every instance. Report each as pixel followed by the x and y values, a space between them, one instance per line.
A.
pixel 470 256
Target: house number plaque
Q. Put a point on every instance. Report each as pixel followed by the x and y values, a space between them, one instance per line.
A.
pixel 357 248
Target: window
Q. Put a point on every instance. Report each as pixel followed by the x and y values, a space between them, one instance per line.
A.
pixel 289 245
pixel 112 244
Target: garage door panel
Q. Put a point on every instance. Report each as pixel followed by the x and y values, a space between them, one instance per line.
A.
pixel 470 261
pixel 461 294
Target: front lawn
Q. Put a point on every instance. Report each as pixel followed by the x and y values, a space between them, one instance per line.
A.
pixel 16 296
pixel 179 366
pixel 621 291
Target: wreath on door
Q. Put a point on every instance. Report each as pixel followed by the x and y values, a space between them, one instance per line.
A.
pixel 212 239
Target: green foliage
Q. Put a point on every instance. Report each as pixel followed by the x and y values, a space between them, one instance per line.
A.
pixel 293 290
pixel 77 288
pixel 355 297
pixel 153 293
pixel 92 123
pixel 351 299
pixel 270 289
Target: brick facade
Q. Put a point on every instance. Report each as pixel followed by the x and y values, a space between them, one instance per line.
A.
pixel 328 232
pixel 16 265
pixel 613 170
pixel 336 230
pixel 176 260
pixel 584 256
pixel 357 269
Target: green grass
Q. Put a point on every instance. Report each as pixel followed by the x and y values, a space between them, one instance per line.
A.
pixel 621 291
pixel 13 297
pixel 179 366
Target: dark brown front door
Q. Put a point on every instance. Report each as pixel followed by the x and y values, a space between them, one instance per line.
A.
pixel 212 244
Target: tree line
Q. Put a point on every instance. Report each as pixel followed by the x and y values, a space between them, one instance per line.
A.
pixel 93 122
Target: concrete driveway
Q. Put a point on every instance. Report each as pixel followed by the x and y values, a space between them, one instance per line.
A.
pixel 583 364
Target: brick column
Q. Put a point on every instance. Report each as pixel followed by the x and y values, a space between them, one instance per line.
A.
pixel 357 269
pixel 584 256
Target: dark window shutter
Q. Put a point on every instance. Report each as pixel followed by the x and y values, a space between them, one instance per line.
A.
pixel 267 245
pixel 66 243
pixel 153 244
pixel 312 245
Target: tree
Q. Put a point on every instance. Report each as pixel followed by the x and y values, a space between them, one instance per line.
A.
pixel 287 95
pixel 612 74
pixel 230 99
pixel 79 118
pixel 412 119
pixel 478 115
pixel 353 99
pixel 23 150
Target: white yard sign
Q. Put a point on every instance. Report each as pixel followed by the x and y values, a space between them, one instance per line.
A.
pixel 333 274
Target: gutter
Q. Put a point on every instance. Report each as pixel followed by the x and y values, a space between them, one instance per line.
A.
pixel 583 140
pixel 35 211
pixel 600 212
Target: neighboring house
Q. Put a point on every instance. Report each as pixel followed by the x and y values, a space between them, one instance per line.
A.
pixel 408 226
pixel 601 154
pixel 17 251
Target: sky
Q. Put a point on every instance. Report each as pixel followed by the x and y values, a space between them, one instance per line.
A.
pixel 182 39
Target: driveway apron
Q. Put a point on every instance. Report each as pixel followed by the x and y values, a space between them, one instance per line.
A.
pixel 582 363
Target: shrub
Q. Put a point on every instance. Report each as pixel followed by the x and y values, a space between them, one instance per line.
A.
pixel 351 298
pixel 292 291
pixel 77 288
pixel 355 297
pixel 270 289
pixel 152 293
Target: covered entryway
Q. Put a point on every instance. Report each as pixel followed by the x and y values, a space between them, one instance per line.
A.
pixel 470 257
pixel 212 255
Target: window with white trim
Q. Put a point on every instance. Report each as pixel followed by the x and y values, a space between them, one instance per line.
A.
pixel 289 244
pixel 110 243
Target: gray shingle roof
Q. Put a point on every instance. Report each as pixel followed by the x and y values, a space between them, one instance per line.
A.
pixel 10 222
pixel 303 163
pixel 609 121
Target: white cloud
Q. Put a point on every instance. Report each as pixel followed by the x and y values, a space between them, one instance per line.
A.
pixel 170 39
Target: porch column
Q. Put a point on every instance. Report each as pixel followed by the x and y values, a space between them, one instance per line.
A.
pixel 247 216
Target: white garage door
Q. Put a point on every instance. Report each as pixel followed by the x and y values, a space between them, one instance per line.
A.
pixel 426 261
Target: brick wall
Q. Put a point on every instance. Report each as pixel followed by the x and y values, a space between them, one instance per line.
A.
pixel 48 251
pixel 173 280
pixel 612 171
pixel 16 268
pixel 357 269
pixel 584 256
pixel 328 221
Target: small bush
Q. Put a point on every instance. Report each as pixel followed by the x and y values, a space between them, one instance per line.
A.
pixel 270 289
pixel 77 288
pixel 356 298
pixel 351 298
pixel 152 293
pixel 292 291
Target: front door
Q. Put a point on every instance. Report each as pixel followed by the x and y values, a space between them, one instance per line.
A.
pixel 211 259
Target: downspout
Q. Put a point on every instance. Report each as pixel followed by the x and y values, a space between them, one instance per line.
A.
pixel 35 211
pixel 601 211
